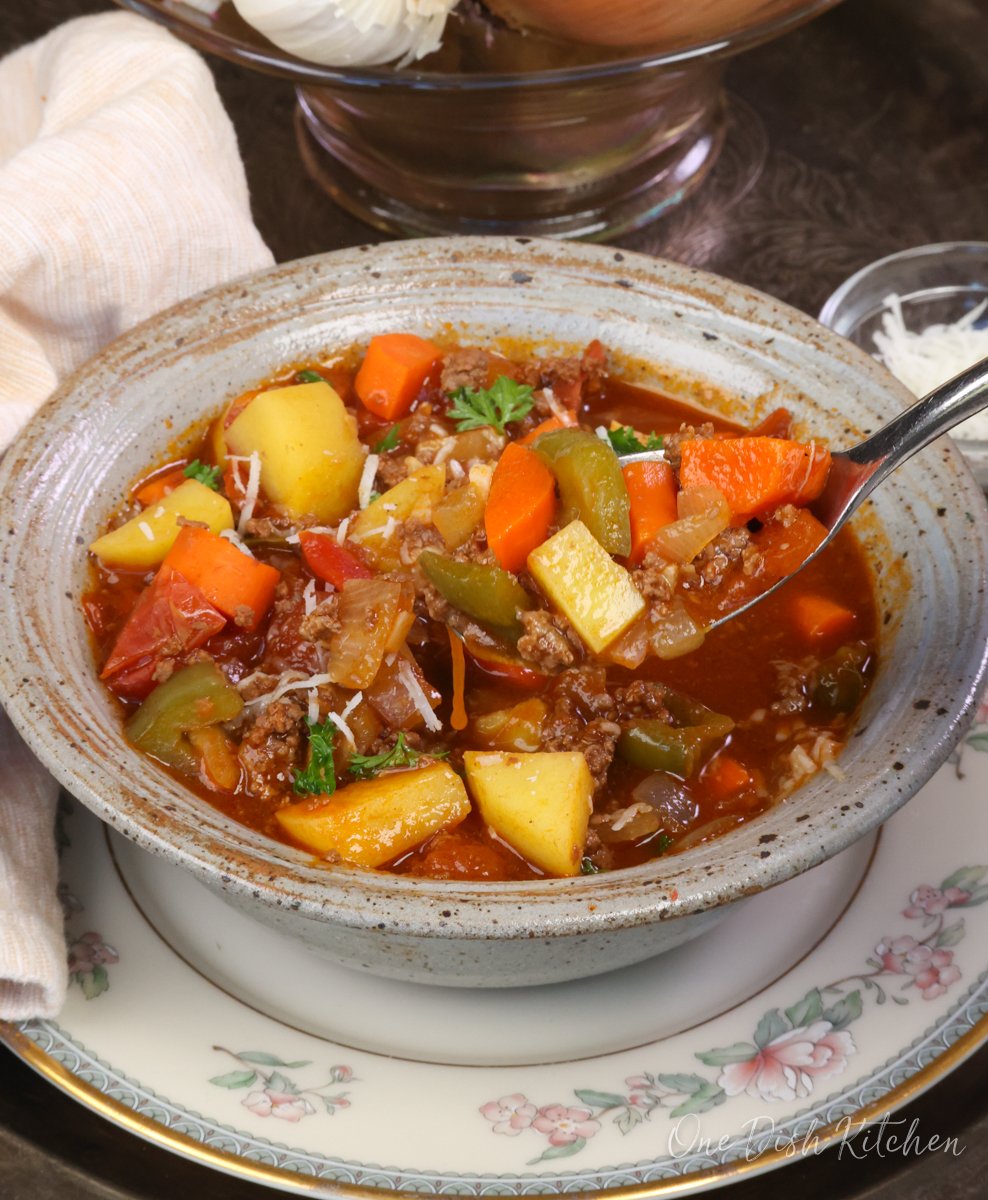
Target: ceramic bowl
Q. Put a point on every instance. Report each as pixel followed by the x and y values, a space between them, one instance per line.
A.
pixel 710 341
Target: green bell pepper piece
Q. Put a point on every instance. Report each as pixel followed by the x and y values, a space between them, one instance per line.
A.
pixel 839 682
pixel 591 485
pixel 491 596
pixel 192 698
pixel 677 749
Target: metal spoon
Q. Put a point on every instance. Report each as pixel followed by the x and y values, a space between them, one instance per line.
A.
pixel 855 473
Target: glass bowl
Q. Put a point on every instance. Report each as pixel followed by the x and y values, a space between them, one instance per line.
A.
pixel 503 133
pixel 936 285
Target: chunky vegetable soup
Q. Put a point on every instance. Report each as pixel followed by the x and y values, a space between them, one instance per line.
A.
pixel 411 611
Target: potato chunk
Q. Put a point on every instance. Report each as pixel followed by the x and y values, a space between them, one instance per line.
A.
pixel 311 458
pixel 539 803
pixel 373 822
pixel 145 539
pixel 589 588
pixel 375 529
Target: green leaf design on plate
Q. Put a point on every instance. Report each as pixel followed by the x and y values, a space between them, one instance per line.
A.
pixel 281 1083
pixel 978 741
pixel 600 1099
pixel 950 935
pixel 965 878
pixel 739 1052
pixel 93 983
pixel 261 1059
pixel 845 1011
pixel 978 896
pixel 771 1026
pixel 808 1010
pixel 682 1083
pixel 628 1118
pixel 702 1100
pixel 573 1147
pixel 235 1079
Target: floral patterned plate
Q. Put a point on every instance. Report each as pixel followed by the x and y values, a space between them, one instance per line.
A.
pixel 211 1038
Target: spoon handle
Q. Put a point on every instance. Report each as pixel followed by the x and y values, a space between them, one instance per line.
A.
pixel 862 468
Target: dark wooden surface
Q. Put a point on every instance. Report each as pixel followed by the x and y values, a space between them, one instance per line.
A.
pixel 861 134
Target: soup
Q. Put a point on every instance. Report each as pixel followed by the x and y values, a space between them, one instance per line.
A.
pixel 420 610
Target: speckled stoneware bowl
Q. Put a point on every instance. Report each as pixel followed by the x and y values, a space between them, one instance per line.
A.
pixel 708 340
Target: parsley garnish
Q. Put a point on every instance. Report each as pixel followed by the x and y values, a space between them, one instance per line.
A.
pixel 588 867
pixel 625 440
pixel 199 471
pixel 388 442
pixel 366 766
pixel 319 777
pixel 504 402
pixel 309 377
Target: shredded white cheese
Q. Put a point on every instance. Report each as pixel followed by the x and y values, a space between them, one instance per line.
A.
pixel 557 410
pixel 418 697
pixel 455 469
pixel 289 685
pixel 309 597
pixel 366 485
pixel 146 529
pixel 233 538
pixel 446 448
pixel 159 511
pixel 339 719
pixel 341 532
pixel 924 360
pixel 313 713
pixel 251 491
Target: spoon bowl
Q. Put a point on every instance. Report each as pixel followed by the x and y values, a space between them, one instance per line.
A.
pixel 855 473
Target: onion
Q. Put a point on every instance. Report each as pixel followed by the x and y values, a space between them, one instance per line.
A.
pixel 671 799
pixel 674 633
pixel 339 33
pixel 637 22
pixel 703 514
pixel 628 824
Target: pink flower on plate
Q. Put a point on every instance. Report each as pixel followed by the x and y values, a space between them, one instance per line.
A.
pixel 790 1064
pixel 930 901
pixel 564 1125
pixel 933 970
pixel 892 952
pixel 90 951
pixel 510 1114
pixel 286 1106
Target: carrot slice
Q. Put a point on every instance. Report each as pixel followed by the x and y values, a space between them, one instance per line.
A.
pixel 819 619
pixel 394 371
pixel 724 776
pixel 756 474
pixel 458 717
pixel 785 547
pixel 520 506
pixel 239 586
pixel 546 427
pixel 652 492
pixel 160 486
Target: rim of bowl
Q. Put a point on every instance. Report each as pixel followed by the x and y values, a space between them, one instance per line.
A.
pixel 830 313
pixel 274 61
pixel 250 865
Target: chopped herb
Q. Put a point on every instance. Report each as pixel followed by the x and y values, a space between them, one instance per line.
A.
pixel 661 843
pixel 374 496
pixel 625 440
pixel 309 377
pixel 202 473
pixel 388 442
pixel 499 405
pixel 588 867
pixel 366 766
pixel 319 777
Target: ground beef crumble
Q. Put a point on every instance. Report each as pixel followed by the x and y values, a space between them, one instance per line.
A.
pixel 672 443
pixel 272 748
pixel 324 620
pixel 548 642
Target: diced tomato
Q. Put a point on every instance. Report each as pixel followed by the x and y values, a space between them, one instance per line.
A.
pixel 330 561
pixel 171 618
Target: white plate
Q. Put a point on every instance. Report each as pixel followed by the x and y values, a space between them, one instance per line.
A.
pixel 209 1035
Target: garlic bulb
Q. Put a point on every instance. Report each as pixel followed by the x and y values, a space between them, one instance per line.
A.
pixel 342 33
pixel 644 23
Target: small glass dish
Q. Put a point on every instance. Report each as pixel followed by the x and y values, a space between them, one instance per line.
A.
pixel 936 285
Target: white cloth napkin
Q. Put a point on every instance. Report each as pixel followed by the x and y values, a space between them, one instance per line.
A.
pixel 121 192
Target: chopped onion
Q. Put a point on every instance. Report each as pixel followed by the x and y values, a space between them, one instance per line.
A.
pixel 703 515
pixel 675 633
pixel 670 798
